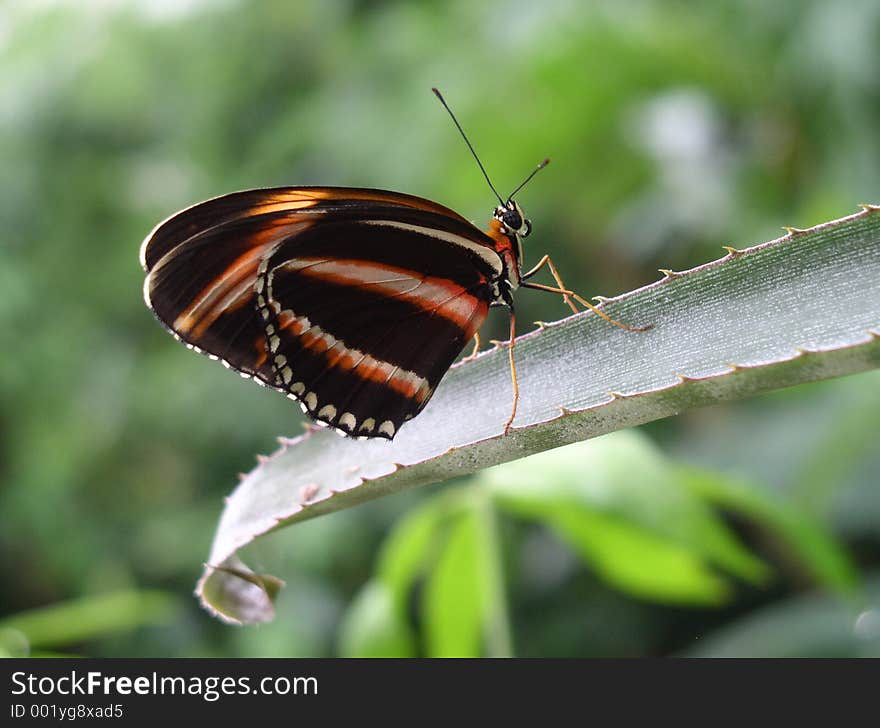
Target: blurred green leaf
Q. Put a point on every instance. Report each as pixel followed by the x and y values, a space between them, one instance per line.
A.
pixel 452 528
pixel 410 547
pixel 638 561
pixel 90 617
pixel 13 643
pixel 454 602
pixel 624 477
pixel 373 626
pixel 645 524
pixel 807 542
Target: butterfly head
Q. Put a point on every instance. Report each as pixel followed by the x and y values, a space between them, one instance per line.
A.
pixel 511 216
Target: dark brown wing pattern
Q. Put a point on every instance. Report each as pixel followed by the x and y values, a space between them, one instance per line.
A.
pixel 354 302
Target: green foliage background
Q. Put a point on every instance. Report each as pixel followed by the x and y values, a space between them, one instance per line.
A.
pixel 674 127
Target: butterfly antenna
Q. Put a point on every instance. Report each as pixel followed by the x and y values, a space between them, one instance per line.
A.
pixel 528 179
pixel 470 146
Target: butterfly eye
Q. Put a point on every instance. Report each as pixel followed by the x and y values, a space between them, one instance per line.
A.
pixel 512 220
pixel 528 230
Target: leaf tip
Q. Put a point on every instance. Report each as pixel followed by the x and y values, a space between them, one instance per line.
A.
pixel 237 595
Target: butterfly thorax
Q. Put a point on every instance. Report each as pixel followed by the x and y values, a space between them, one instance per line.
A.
pixel 508 245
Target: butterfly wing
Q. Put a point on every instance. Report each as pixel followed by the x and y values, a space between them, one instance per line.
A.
pixel 355 302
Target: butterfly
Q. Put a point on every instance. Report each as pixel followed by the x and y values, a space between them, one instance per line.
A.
pixel 354 302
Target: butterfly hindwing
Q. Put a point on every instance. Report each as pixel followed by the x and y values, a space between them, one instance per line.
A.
pixel 363 335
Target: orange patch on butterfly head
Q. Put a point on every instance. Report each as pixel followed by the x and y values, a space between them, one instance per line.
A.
pixel 504 247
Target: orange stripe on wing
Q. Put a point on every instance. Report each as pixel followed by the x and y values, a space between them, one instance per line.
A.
pixel 361 364
pixel 205 309
pixel 262 353
pixel 289 320
pixel 233 286
pixel 287 201
pixel 433 294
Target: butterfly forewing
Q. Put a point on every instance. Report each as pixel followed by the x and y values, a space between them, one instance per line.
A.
pixel 281 201
pixel 355 302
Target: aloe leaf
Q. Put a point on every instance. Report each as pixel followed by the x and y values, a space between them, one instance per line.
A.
pixel 797 309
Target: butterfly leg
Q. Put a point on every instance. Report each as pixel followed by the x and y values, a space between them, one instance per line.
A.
pixel 477 344
pixel 549 263
pixel 512 371
pixel 568 295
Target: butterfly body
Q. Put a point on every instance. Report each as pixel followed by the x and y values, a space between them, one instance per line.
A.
pixel 354 302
